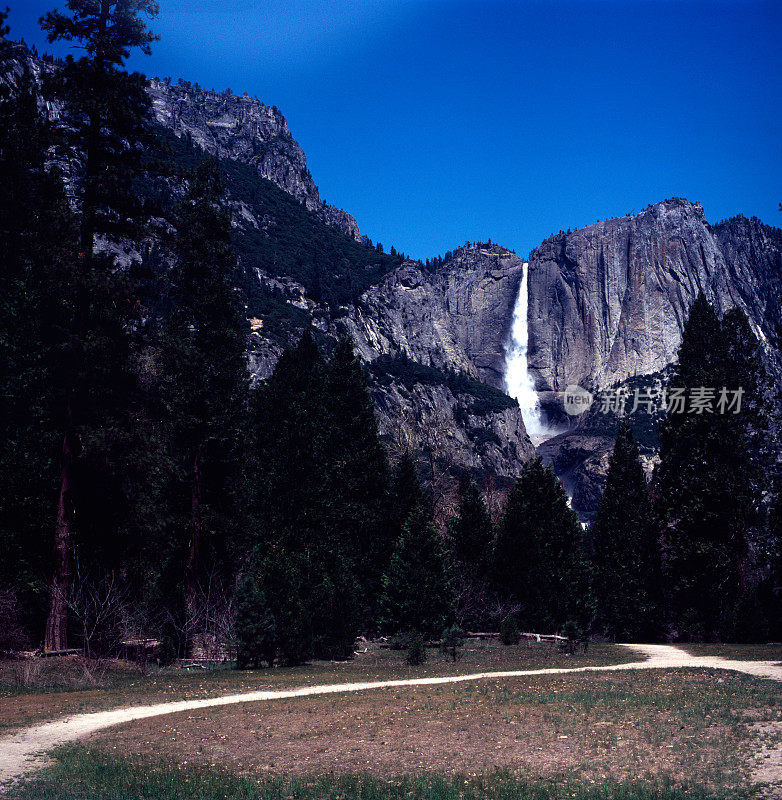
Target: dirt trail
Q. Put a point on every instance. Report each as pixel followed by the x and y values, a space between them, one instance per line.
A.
pixel 23 752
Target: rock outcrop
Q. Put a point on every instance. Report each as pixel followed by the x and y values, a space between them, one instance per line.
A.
pixel 243 129
pixel 607 304
pixel 454 319
pixel 609 301
pixel 430 397
pixel 223 124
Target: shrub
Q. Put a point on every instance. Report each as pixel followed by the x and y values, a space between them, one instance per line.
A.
pixel 745 620
pixel 416 649
pixel 452 641
pixel 256 630
pixel 575 636
pixel 509 631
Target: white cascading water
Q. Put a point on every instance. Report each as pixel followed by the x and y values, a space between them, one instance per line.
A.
pixel 519 383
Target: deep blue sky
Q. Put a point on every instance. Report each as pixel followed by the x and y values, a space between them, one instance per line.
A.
pixel 437 121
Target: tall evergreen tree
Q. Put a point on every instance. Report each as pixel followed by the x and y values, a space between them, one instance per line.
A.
pixel 323 491
pixel 108 114
pixel 471 538
pixel 626 553
pixel 539 559
pixel 108 108
pixel 713 470
pixel 356 475
pixel 406 491
pixel 417 588
pixel 471 531
pixel 205 385
pixel 37 251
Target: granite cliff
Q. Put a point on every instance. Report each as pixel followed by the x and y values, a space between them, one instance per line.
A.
pixel 455 319
pixel 243 129
pixel 609 301
pixel 434 345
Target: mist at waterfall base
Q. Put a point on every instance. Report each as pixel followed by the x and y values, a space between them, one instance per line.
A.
pixel 519 382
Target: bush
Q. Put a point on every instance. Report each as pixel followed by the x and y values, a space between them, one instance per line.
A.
pixel 255 630
pixel 691 629
pixel 416 649
pixel 745 621
pixel 452 641
pixel 574 634
pixel 509 631
pixel 399 641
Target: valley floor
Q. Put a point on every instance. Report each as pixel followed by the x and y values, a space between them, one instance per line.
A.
pixel 673 725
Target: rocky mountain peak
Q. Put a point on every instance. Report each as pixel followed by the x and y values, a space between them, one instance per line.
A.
pixel 243 129
pixel 609 301
pixel 230 126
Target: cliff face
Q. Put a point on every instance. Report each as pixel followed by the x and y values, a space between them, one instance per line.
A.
pixel 244 129
pixel 608 304
pixel 425 356
pixel 223 124
pixel 456 318
pixel 609 301
pixel 450 325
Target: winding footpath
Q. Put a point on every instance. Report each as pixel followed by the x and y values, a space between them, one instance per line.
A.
pixel 23 752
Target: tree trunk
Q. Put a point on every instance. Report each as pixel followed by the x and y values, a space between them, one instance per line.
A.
pixel 191 566
pixel 56 637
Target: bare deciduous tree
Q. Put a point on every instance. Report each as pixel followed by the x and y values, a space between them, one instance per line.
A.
pixel 97 606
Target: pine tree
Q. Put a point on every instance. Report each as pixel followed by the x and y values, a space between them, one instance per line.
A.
pixel 471 530
pixel 626 554
pixel 107 113
pixel 470 539
pixel 108 108
pixel 539 558
pixel 355 474
pixel 323 494
pixel 205 385
pixel 286 413
pixel 37 252
pixel 713 472
pixel 73 347
pixel 406 491
pixel 417 588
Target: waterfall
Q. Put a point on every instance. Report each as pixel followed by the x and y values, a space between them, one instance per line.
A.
pixel 519 382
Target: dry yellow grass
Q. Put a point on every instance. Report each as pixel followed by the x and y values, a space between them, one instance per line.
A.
pixel 35 691
pixel 679 725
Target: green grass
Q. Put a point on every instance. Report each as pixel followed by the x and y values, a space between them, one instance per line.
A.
pixel 84 774
pixel 686 727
